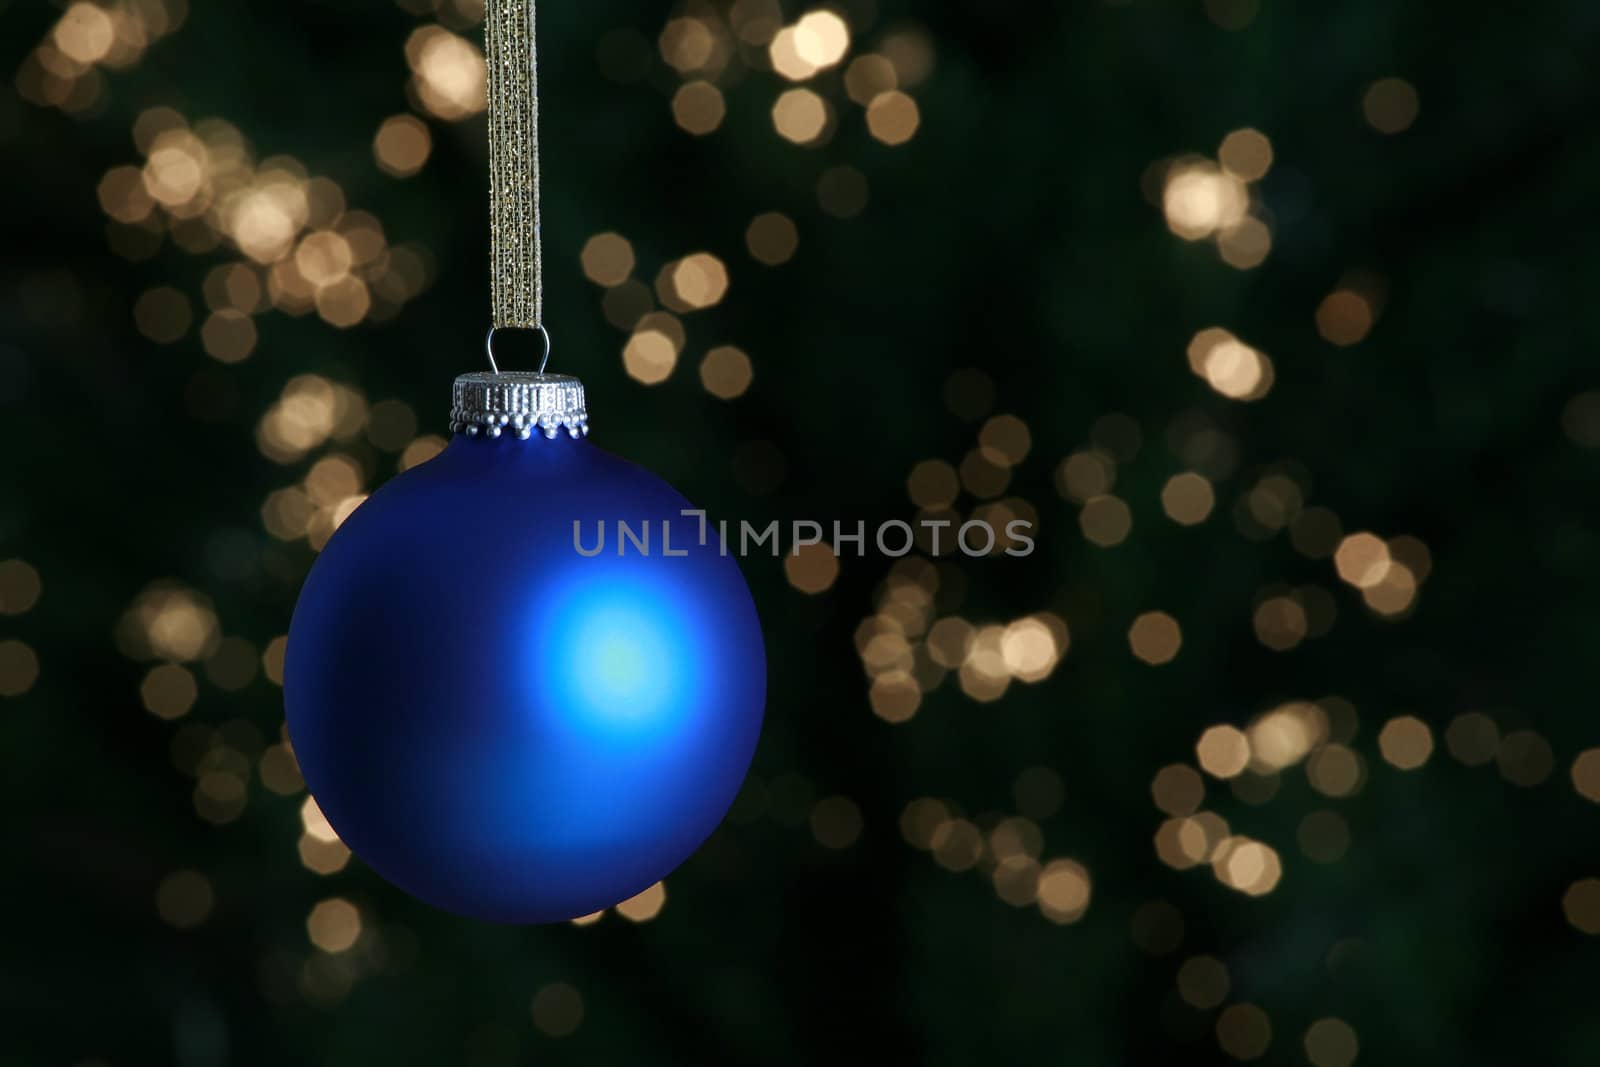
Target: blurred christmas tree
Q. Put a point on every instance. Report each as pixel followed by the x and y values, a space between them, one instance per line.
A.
pixel 1273 320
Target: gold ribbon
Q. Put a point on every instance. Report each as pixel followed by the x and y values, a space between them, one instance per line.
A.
pixel 512 55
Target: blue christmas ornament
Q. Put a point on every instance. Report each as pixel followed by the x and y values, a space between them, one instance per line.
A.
pixel 497 717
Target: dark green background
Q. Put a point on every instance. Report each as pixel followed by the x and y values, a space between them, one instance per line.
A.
pixel 1009 235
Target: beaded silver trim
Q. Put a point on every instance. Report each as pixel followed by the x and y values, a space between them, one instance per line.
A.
pixel 519 403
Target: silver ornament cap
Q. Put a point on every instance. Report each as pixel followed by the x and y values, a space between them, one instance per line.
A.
pixel 519 403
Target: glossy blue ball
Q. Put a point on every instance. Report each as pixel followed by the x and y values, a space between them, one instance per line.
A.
pixel 504 726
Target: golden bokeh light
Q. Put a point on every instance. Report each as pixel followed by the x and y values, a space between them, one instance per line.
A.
pixel 228 336
pixel 1064 891
pixel 324 258
pixel 1245 246
pixel 1284 736
pixel 772 238
pixel 264 216
pixel 332 479
pixel 449 76
pixel 1155 637
pixel 280 771
pixel 726 372
pixel 169 691
pixel 608 259
pixel 1280 623
pixel 911 51
pixel 170 622
pixel 334 925
pixel 1405 742
pixel 982 476
pixel 650 357
pixel 1188 498
pixel 344 302
pixel 821 39
pixel 1223 751
pixel 933 485
pixel 1581 905
pixel 1084 474
pixel 1344 317
pixel 893 117
pixel 1335 771
pixel 646 905
pixel 800 116
pixel 1395 593
pixel 1016 836
pixel 1185 842
pixel 1316 532
pixel 1390 105
pixel 1201 200
pixel 19 668
pixel 1178 789
pixel 1105 520
pixel 920 821
pixel 85 33
pixel 783 52
pixel 1362 560
pixel 20 587
pixel 811 568
pixel 700 280
pixel 1015 878
pixel 626 304
pixel 1246 154
pixel 1203 982
pixel 1331 1043
pixel 322 858
pixel 1525 758
pixel 895 696
pixel 1472 738
pixel 756 22
pixel 421 451
pixel 123 196
pixel 983 674
pixel 1237 371
pixel 220 796
pixel 1030 648
pixel 287 513
pixel 1006 440
pixel 1275 501
pixel 698 108
pixel 315 824
pixel 1586 774
pixel 1249 866
pixel 402 146
pixel 836 822
pixel 868 77
pixel 689 45
pixel 1244 1031
pixel 950 642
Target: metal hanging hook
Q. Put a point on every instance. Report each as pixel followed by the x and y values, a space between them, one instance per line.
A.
pixel 488 345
